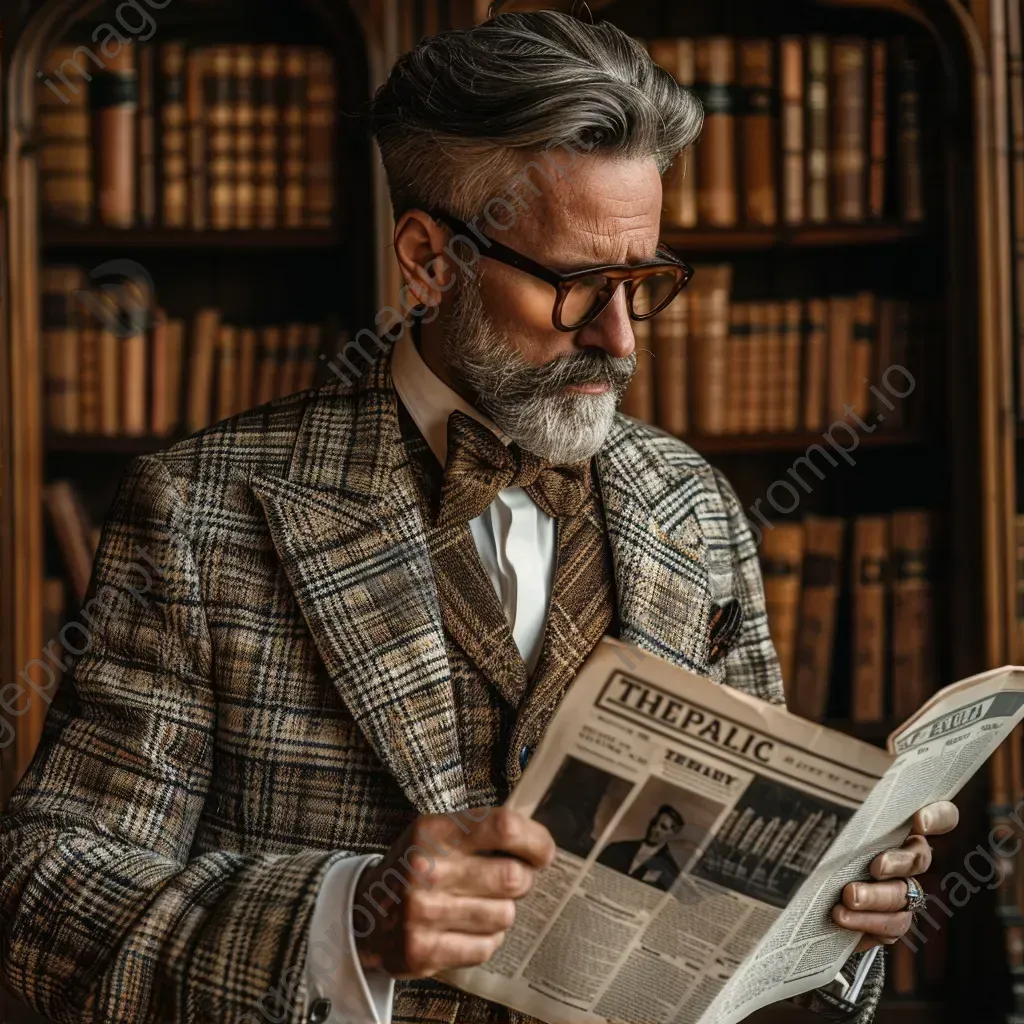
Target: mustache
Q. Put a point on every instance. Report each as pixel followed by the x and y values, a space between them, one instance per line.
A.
pixel 592 366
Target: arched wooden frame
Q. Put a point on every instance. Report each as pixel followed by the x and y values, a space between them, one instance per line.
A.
pixel 384 28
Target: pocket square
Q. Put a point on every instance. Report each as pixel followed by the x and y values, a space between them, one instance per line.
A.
pixel 726 623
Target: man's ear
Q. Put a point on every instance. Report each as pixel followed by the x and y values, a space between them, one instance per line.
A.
pixel 420 247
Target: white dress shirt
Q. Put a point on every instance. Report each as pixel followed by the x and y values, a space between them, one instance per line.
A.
pixel 516 543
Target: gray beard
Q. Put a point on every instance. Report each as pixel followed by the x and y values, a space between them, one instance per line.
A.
pixel 529 402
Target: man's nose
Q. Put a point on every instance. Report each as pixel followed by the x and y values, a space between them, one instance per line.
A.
pixel 612 329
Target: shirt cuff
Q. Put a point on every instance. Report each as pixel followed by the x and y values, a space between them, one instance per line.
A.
pixel 339 990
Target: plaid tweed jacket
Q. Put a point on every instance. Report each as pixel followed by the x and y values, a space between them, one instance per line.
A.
pixel 280 698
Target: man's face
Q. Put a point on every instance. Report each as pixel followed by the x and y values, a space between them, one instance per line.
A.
pixel 556 392
pixel 659 830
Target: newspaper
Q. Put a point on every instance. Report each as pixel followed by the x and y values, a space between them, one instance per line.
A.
pixel 704 837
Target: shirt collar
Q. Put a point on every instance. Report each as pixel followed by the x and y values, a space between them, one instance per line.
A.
pixel 428 399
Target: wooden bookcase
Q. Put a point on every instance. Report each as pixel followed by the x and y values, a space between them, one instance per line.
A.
pixel 957 460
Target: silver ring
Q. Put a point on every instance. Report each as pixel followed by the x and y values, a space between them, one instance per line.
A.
pixel 916 896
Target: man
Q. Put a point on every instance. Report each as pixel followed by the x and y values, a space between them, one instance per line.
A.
pixel 649 859
pixel 367 601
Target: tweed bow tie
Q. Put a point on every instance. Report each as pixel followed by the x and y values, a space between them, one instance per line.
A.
pixel 479 465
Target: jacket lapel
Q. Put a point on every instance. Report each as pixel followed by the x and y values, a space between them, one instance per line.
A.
pixel 658 550
pixel 348 529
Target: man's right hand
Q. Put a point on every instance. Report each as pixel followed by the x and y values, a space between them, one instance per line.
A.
pixel 445 894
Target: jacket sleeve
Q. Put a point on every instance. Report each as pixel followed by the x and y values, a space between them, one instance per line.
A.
pixel 104 915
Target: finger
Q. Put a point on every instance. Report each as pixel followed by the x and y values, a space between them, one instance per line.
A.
pixel 469 914
pixel 883 927
pixel 869 942
pixel 885 897
pixel 935 819
pixel 488 877
pixel 426 952
pixel 509 832
pixel 914 857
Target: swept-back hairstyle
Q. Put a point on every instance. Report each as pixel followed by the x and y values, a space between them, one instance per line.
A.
pixel 464 111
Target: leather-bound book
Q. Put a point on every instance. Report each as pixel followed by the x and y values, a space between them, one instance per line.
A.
pixel 61 326
pixel 219 89
pixel 65 157
pixel 109 346
pixel 737 354
pixel 227 372
pixel 791 114
pixel 709 324
pixel 248 352
pixel 754 404
pixel 815 364
pixel 782 553
pixel 715 72
pixel 669 330
pixel 202 359
pixel 134 384
pixel 758 130
pixel 268 137
pixel 865 327
pixel 291 362
pixel 840 346
pixel 159 392
pixel 817 129
pixel 294 114
pixel 269 364
pixel 679 184
pixel 89 376
pixel 904 969
pixel 878 128
pixel 114 98
pixel 323 100
pixel 245 136
pixel 913 630
pixel 147 158
pixel 849 128
pixel 822 570
pixel 175 373
pixel 792 346
pixel 174 137
pixel 196 63
pixel 311 350
pixel 869 571
pixel 638 401
pixel 908 133
pixel 73 528
pixel 774 370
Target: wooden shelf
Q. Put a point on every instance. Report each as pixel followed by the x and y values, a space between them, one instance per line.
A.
pixel 744 444
pixel 91 444
pixel 818 236
pixel 66 236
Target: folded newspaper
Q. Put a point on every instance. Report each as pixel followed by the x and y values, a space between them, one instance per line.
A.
pixel 704 837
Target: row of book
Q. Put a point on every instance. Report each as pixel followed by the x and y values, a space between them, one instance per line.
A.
pixel 77 538
pixel 214 137
pixel 712 365
pixel 803 130
pixel 887 563
pixel 109 373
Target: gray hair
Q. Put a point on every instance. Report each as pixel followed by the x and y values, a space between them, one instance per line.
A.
pixel 462 112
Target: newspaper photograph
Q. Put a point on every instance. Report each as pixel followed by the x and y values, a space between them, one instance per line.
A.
pixel 704 837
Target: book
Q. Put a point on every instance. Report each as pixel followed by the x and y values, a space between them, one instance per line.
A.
pixel 791 62
pixel 862 353
pixel 160 421
pixel 202 358
pixel 738 380
pixel 912 609
pixel 134 390
pixel 61 327
pixel 109 347
pixel 218 93
pixel 227 372
pixel 196 62
pixel 774 368
pixel 269 363
pixel 908 127
pixel 817 156
pixel 307 370
pixel 322 98
pixel 869 571
pixel 294 138
pixel 756 369
pixel 174 137
pixel 758 130
pixel 878 129
pixel 89 376
pixel 248 351
pixel 792 338
pixel 146 201
pixel 291 358
pixel 849 143
pixel 175 372
pixel 679 184
pixel 714 70
pixel 73 529
pixel 638 400
pixel 782 552
pixel 820 583
pixel 709 326
pixel 64 129
pixel 268 137
pixel 904 970
pixel 840 345
pixel 892 349
pixel 113 97
pixel 669 331
pixel 245 82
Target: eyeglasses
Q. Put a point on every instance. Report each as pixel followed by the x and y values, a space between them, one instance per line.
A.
pixel 582 295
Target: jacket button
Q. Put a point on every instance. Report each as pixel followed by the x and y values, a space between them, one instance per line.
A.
pixel 524 756
pixel 319 1011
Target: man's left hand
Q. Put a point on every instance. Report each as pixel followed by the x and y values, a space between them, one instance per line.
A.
pixel 877 908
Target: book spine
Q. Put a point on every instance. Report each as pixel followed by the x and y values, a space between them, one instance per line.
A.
pixel 219 90
pixel 912 617
pixel 147 137
pixel 668 342
pixel 823 549
pixel 269 363
pixel 758 130
pixel 781 555
pixel 815 364
pixel 89 377
pixel 904 970
pixel 909 136
pixel 294 341
pixel 738 363
pixel 159 408
pixel 710 309
pixel 201 368
pixel 110 382
pixel 114 98
pixel 314 342
pixel 174 137
pixel 870 570
pixel 792 346
pixel 72 529
pixel 195 103
pixel 175 373
pixel 817 130
pixel 268 138
pixel 792 125
pixel 676 56
pixel 840 342
pixel 65 138
pixel 754 406
pixel 862 361
pixel 638 400
pixel 717 200
pixel 248 352
pixel 320 141
pixel 774 377
pixel 294 137
pixel 60 329
pixel 849 143
pixel 245 137
pixel 877 131
pixel 227 371
pixel 896 416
